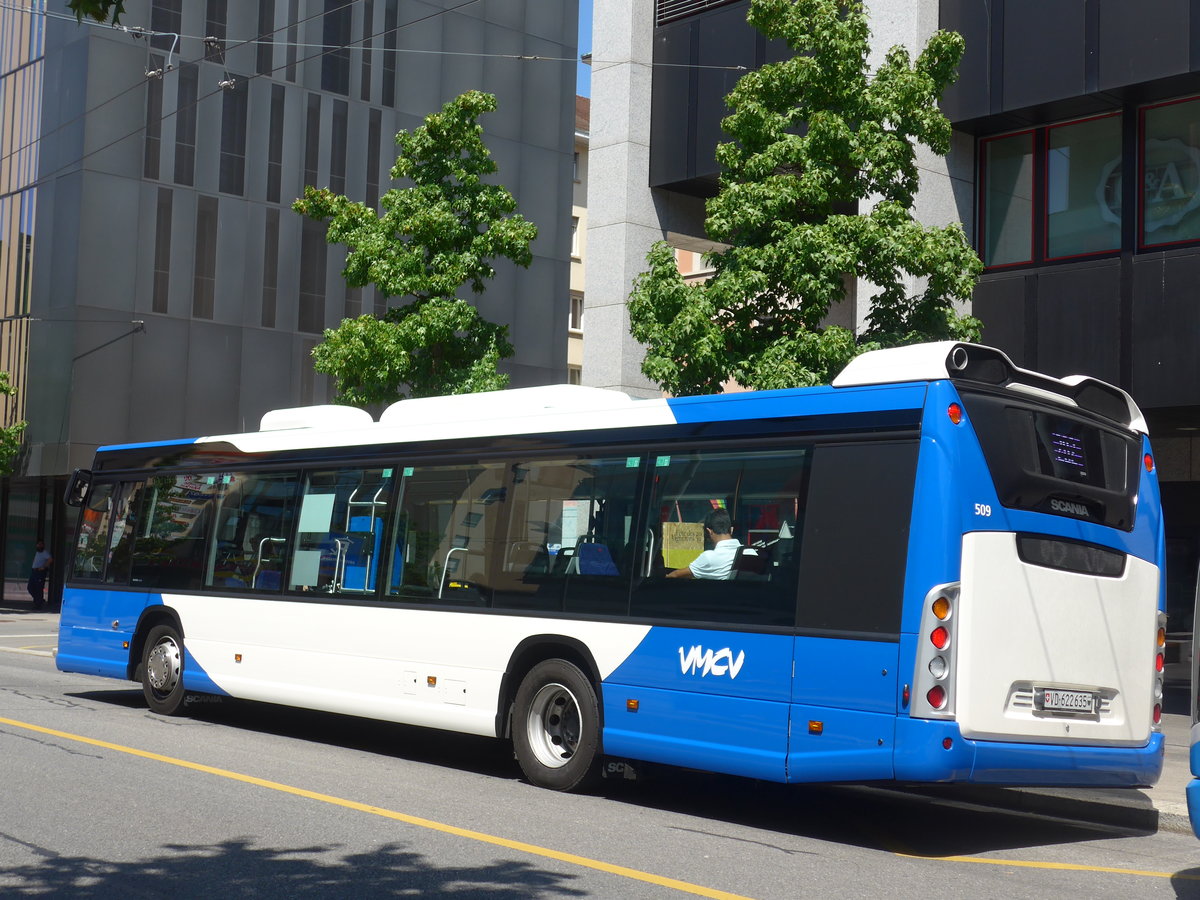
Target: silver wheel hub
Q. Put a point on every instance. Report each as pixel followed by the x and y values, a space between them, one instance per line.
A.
pixel 163 666
pixel 553 726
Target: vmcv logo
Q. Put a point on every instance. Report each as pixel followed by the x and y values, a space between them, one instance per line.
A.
pixel 711 662
pixel 1066 506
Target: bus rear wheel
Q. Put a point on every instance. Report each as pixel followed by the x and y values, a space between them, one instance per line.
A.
pixel 556 726
pixel 162 670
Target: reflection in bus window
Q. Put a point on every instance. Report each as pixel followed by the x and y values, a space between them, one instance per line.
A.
pixel 172 530
pixel 91 543
pixel 253 526
pixel 125 517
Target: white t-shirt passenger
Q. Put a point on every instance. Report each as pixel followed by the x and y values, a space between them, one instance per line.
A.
pixel 716 564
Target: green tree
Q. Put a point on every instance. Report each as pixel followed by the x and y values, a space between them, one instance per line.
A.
pixel 813 137
pixel 10 435
pixel 432 237
pixel 99 10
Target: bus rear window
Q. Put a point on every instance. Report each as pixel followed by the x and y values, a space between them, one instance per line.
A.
pixel 1049 460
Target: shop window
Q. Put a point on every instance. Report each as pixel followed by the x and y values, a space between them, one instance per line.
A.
pixel 1170 173
pixel 1007 221
pixel 1083 187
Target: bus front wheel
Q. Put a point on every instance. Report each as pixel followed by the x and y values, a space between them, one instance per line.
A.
pixel 556 726
pixel 162 670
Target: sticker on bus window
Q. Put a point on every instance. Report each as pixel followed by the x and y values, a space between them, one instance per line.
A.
pixel 631 462
pixel 662 461
pixel 408 470
pixel 387 473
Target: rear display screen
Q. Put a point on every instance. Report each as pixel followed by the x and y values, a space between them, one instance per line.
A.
pixel 1065 449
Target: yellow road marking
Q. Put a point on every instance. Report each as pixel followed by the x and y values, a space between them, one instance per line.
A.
pixel 1070 867
pixel 519 846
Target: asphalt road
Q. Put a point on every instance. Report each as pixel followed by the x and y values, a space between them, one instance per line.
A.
pixel 100 798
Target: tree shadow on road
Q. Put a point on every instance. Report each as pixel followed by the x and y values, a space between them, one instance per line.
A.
pixel 240 868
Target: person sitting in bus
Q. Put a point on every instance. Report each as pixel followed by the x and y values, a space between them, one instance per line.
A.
pixel 715 564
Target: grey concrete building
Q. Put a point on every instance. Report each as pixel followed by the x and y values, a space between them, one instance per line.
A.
pixel 162 285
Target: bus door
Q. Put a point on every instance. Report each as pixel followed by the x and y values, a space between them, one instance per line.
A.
pixel 852 552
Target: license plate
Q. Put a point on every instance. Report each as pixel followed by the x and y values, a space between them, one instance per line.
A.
pixel 1055 700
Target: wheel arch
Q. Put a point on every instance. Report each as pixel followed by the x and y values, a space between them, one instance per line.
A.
pixel 150 617
pixel 527 654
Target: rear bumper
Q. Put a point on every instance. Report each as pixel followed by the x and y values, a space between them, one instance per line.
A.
pixel 922 755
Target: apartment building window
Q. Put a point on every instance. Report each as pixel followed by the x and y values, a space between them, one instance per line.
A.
pixel 335 61
pixel 374 137
pixel 215 18
pixel 367 43
pixel 293 39
pixel 575 320
pixel 391 15
pixel 204 279
pixel 270 288
pixel 266 44
pixel 1170 173
pixel 575 236
pixel 166 18
pixel 162 251
pixel 185 125
pixel 312 277
pixel 337 147
pixel 574 375
pixel 575 167
pixel 234 110
pixel 154 104
pixel 275 145
pixel 312 141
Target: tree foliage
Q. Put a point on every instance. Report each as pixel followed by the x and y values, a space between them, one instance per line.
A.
pixel 439 232
pixel 10 435
pixel 813 137
pixel 99 10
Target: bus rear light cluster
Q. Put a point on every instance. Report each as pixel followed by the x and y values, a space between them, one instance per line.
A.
pixel 935 673
pixel 1160 659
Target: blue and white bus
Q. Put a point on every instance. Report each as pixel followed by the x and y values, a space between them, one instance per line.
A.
pixel 944 568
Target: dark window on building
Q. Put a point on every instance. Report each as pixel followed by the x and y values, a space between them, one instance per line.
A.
pixel 312 277
pixel 335 60
pixel 337 147
pixel 275 145
pixel 162 251
pixel 374 136
pixel 391 17
pixel 234 110
pixel 312 142
pixel 838 593
pixel 204 280
pixel 154 103
pixel 353 308
pixel 1060 192
pixel 270 269
pixel 293 38
pixel 1170 173
pixel 266 41
pixel 575 320
pixel 185 125
pixel 215 19
pixel 367 43
pixel 166 17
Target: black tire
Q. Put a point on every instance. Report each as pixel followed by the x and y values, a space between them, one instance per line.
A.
pixel 162 670
pixel 556 726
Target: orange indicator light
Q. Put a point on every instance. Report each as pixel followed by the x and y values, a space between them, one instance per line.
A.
pixel 941 607
pixel 632 705
pixel 237 657
pixel 815 727
pixel 955 412
pixel 431 680
pixel 1148 461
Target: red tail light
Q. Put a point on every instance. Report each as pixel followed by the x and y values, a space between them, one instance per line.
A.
pixel 1158 662
pixel 1157 713
pixel 939 637
pixel 936 696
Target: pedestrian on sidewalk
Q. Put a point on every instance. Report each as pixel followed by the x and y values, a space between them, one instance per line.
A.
pixel 42 560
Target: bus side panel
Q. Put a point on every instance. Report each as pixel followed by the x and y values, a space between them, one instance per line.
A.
pixel 843 712
pixel 94 626
pixel 707 699
pixel 1193 787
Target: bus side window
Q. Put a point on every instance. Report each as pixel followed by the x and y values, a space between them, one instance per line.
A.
pixel 339 536
pixel 126 508
pixel 448 541
pixel 753 501
pixel 91 540
pixel 855 545
pixel 253 528
pixel 171 535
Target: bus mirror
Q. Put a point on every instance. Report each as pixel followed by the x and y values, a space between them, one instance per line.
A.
pixel 77 487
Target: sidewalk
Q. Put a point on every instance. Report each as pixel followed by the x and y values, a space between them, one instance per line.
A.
pixel 1162 807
